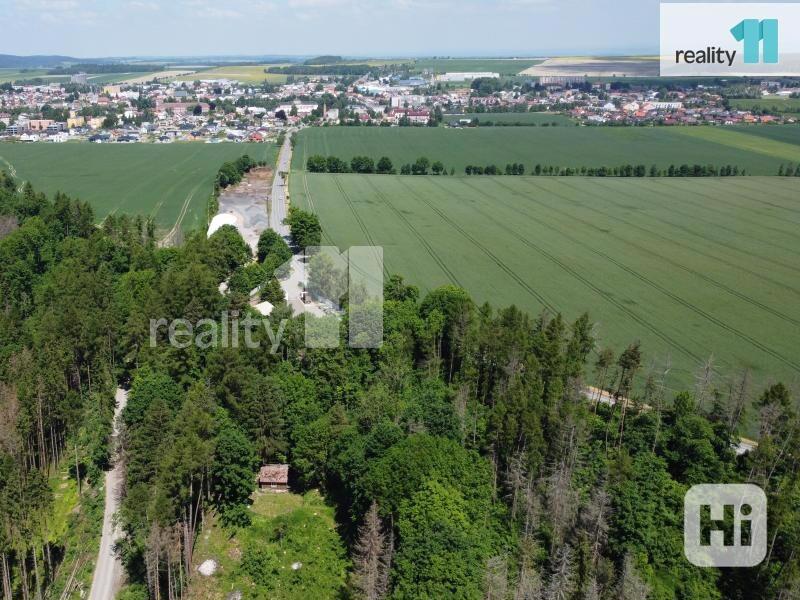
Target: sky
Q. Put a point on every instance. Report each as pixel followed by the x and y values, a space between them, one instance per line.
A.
pixel 384 28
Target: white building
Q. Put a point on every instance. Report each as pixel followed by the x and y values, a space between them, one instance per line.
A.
pixel 456 77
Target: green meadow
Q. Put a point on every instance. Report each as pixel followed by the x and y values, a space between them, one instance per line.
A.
pixel 691 267
pixel 171 182
pixel 565 146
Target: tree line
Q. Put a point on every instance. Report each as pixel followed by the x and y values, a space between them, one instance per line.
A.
pixel 626 170
pixel 789 170
pixel 230 173
pixel 423 166
pixel 367 165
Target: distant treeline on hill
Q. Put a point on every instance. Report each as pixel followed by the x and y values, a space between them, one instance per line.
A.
pixel 341 70
pixel 103 68
pixel 325 59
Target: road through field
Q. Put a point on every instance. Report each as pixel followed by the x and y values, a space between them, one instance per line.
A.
pixel 278 205
pixel 108 571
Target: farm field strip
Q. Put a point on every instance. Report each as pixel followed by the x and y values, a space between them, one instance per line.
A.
pixel 564 222
pixel 170 182
pixel 666 209
pixel 710 203
pixel 703 235
pixel 652 283
pixel 687 291
pixel 565 146
pixel 676 244
pixel 737 139
pixel 593 287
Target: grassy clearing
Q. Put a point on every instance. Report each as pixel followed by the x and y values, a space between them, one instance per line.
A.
pixel 690 267
pixel 307 531
pixel 74 529
pixel 564 146
pixel 146 179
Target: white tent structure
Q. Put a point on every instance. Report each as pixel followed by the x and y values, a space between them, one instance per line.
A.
pixel 219 221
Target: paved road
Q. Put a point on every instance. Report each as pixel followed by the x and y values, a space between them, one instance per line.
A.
pixel 108 569
pixel 279 205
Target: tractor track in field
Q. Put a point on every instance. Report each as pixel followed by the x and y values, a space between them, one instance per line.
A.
pixel 695 217
pixel 682 301
pixel 656 234
pixel 168 238
pixel 358 218
pixel 566 268
pixel 691 233
pixel 715 283
pixel 758 212
pixel 13 172
pixel 732 195
pixel 436 258
pixel 768 203
pixel 663 237
pixel 511 273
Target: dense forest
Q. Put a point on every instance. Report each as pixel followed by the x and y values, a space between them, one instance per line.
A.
pixel 462 458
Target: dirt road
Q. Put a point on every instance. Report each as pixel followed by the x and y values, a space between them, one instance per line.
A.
pixel 108 572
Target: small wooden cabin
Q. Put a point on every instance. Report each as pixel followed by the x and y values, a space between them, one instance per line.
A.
pixel 274 478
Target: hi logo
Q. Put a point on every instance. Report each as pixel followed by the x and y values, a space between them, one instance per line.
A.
pixel 756 33
pixel 725 525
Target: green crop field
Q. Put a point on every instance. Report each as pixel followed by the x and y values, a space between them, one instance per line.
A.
pixel 773 103
pixel 781 133
pixel 690 267
pixel 503 66
pixel 242 73
pixel 108 78
pixel 565 146
pixel 170 182
pixel 13 75
pixel 511 118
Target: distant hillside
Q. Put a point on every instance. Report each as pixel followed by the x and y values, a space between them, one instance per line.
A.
pixel 324 60
pixel 10 61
